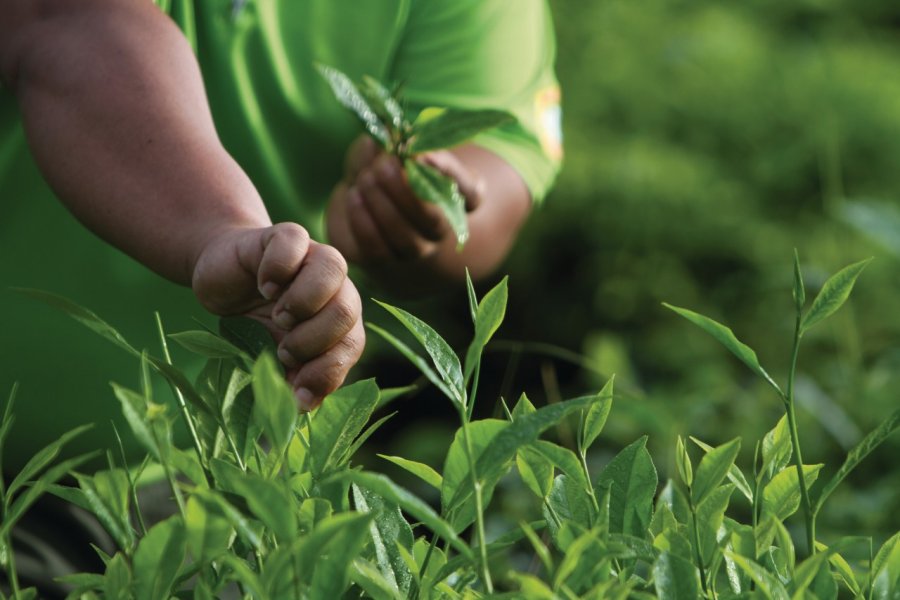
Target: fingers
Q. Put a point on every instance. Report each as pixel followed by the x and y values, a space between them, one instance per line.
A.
pixel 321 275
pixel 470 186
pixel 361 154
pixel 317 334
pixel 319 377
pixel 396 230
pixel 285 248
pixel 387 173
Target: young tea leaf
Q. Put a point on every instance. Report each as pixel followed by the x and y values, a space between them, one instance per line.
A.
pixel 781 496
pixel 445 360
pixel 631 479
pixel 268 501
pixel 595 416
pixel 383 103
pixel 734 473
pixel 683 463
pixel 206 344
pixel 249 335
pixel 726 337
pixel 350 97
pixel 416 360
pixel 833 294
pixel 338 422
pixel 431 185
pixel 388 530
pixel 422 471
pixel 274 406
pixel 488 318
pixel 82 315
pixel 713 468
pixel 799 290
pixel 536 471
pixel 767 583
pixel 451 127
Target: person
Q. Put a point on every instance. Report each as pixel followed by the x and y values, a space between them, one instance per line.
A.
pixel 208 161
pixel 223 173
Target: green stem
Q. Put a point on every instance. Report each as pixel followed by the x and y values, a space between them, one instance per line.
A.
pixel 181 401
pixel 11 563
pixel 424 568
pixel 795 442
pixel 470 405
pixel 479 509
pixel 697 543
pixel 587 478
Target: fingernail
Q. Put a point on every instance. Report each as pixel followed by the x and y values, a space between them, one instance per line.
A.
pixel 286 358
pixel 285 320
pixel 269 290
pixel 305 398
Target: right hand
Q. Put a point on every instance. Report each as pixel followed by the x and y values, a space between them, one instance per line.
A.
pixel 298 289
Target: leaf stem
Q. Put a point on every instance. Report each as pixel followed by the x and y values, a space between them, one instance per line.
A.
pixel 795 442
pixel 697 553
pixel 181 401
pixel 479 509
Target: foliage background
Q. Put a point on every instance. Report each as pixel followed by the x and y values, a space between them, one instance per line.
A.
pixel 704 142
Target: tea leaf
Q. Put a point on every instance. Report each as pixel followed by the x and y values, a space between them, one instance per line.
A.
pixel 43 458
pixel 390 491
pixel 451 127
pixel 858 453
pixel 107 512
pixel 387 530
pixel 581 559
pixel 134 409
pixel 631 479
pixel 488 317
pixel 242 573
pixel 776 448
pixel 833 294
pixel 710 514
pixel 501 449
pixel 734 473
pixel 726 337
pixel 799 292
pixel 843 570
pixel 457 498
pixel 208 535
pixel 885 567
pixel 44 483
pixel 522 407
pixel 422 471
pixel 268 500
pixel 117 581
pixel 431 185
pixel 372 582
pixel 274 406
pixel 358 442
pixel 215 504
pixel 768 584
pixel 416 360
pixel 206 344
pixel 382 102
pixel 713 468
pixel 248 334
pixel 82 315
pixel 158 559
pixel 563 459
pixel 338 422
pixel 570 502
pixel 683 463
pixel 349 95
pixel 536 471
pixel 675 578
pixel 443 357
pixel 595 416
pixel 473 300
pixel 807 571
pixel 781 496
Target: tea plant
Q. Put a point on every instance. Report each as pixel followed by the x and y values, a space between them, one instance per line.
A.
pixel 270 503
pixel 385 119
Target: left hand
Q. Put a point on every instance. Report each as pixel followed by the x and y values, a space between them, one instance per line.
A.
pixel 375 219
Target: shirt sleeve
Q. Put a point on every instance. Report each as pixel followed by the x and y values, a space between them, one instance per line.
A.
pixel 476 54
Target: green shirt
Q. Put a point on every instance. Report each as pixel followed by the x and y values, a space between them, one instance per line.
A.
pixel 277 117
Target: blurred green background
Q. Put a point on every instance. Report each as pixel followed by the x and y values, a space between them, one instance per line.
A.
pixel 706 140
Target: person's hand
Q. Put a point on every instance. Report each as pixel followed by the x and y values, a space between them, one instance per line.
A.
pixel 375 219
pixel 299 289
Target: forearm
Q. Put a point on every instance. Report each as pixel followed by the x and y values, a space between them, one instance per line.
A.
pixel 117 120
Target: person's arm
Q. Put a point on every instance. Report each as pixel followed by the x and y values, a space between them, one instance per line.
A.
pixel 376 221
pixel 117 119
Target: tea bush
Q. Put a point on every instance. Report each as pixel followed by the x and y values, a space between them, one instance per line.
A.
pixel 270 502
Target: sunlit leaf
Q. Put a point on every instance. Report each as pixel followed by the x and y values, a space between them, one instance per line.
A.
pixel 767 583
pixel 735 475
pixel 208 535
pixel 781 496
pixel 536 470
pixel 417 361
pixel 457 500
pixel 274 405
pixel 387 531
pixel 833 294
pixel 713 468
pixel 710 513
pixel 776 448
pixel 595 416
